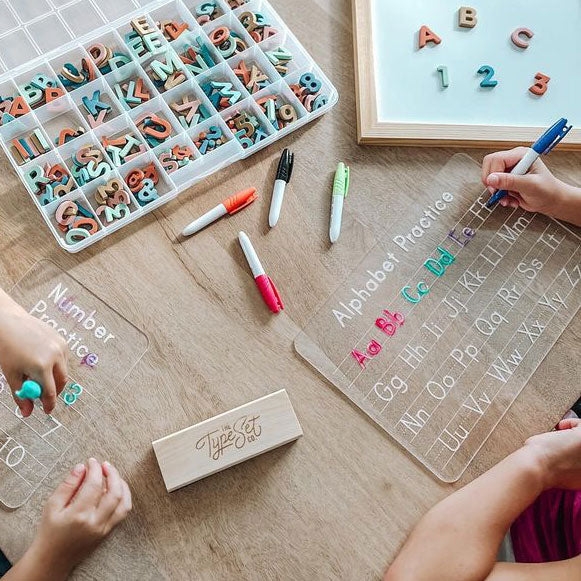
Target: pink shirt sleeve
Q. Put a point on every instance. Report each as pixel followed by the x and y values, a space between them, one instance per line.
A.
pixel 550 529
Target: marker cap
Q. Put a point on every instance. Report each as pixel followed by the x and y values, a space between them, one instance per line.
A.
pixel 285 166
pixel 240 200
pixel 269 293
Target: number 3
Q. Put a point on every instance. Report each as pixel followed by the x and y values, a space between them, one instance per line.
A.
pixel 487 81
pixel 540 87
pixel 72 393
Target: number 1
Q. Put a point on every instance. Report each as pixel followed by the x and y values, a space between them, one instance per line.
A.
pixel 444 76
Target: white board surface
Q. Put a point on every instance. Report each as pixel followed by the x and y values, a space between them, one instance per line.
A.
pixel 408 86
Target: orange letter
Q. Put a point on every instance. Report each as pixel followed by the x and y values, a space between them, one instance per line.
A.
pixel 540 87
pixel 426 35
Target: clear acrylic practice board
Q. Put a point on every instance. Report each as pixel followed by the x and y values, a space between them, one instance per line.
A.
pixel 103 348
pixel 442 324
pixel 41 36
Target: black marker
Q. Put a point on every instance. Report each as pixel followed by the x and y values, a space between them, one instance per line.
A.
pixel 283 176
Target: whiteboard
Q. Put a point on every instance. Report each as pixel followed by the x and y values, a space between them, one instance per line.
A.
pixel 403 87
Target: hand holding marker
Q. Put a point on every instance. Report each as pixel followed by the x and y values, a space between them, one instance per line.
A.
pixel 29 390
pixel 547 142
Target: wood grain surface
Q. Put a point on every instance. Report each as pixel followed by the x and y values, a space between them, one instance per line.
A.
pixel 336 504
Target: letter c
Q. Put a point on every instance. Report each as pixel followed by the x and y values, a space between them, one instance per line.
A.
pixel 517 37
pixel 404 292
pixel 81 348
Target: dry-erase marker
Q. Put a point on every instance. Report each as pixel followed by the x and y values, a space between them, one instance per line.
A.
pixel 283 176
pixel 230 206
pixel 340 191
pixel 29 390
pixel 543 146
pixel 263 282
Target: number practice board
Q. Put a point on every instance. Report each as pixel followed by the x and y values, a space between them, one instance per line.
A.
pixel 481 74
pixel 111 108
pixel 103 348
pixel 442 324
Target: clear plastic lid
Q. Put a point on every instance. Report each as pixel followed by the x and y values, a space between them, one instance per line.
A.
pixel 31 29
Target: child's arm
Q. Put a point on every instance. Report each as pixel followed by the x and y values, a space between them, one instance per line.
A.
pixel 538 191
pixel 82 511
pixel 459 538
pixel 30 349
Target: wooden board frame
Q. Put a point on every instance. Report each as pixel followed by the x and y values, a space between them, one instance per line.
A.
pixel 372 131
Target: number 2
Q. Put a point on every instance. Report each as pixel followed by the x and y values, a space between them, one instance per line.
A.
pixel 487 81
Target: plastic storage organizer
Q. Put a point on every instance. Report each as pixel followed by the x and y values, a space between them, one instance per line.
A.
pixel 40 37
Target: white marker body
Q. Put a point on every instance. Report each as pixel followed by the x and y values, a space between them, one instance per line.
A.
pixel 525 164
pixel 205 220
pixel 276 202
pixel 336 218
pixel 251 255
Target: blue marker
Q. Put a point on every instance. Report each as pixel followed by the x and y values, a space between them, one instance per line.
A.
pixel 543 146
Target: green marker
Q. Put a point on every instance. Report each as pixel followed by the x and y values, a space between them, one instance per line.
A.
pixel 340 191
pixel 29 390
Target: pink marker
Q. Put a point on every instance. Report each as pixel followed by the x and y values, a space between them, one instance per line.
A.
pixel 263 282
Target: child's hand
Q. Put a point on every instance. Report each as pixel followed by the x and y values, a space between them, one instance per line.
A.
pixel 538 191
pixel 559 455
pixel 82 511
pixel 30 349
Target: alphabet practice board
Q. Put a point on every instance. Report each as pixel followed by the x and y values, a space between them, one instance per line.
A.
pixel 435 95
pixel 442 324
pixel 103 348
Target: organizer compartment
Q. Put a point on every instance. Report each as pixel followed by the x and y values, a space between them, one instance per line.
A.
pixel 74 87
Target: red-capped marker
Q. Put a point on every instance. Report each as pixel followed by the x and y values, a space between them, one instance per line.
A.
pixel 265 285
pixel 230 206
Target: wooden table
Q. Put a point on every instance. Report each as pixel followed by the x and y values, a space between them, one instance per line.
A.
pixel 338 503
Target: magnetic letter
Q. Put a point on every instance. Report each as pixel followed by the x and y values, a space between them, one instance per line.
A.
pixel 426 35
pixel 517 37
pixel 541 86
pixel 467 17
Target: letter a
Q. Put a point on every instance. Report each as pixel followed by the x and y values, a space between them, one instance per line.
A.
pixel 426 35
pixel 361 357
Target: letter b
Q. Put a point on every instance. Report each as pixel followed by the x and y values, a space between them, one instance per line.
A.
pixel 467 17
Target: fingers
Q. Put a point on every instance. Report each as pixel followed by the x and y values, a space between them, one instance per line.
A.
pixel 513 200
pixel 67 489
pixel 59 373
pixel 510 182
pixel 114 493
pixel 123 507
pixel 569 424
pixel 501 162
pixel 15 381
pixel 48 397
pixel 91 491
